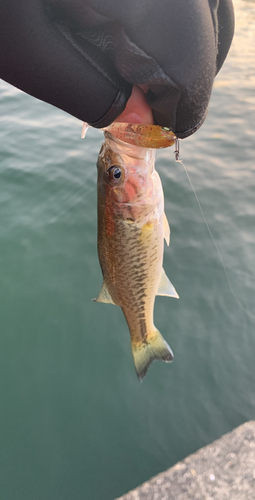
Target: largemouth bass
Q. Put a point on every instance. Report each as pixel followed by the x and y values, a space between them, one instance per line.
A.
pixel 131 231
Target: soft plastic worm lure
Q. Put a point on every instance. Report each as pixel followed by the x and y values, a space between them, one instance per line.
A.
pixel 147 136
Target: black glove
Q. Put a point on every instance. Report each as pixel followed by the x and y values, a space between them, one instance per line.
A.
pixel 83 56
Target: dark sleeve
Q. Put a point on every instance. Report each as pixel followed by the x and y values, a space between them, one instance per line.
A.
pixel 83 56
pixel 38 58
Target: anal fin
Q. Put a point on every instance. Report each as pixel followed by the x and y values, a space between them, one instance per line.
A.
pixel 165 286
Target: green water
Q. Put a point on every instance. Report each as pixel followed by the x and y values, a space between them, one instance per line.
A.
pixel 75 423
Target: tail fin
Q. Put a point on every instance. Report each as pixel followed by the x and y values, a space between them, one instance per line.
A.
pixel 154 347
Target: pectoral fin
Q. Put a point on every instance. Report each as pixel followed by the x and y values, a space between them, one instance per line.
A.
pixel 165 286
pixel 166 230
pixel 104 295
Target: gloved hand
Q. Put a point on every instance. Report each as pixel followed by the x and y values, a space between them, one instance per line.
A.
pixel 84 56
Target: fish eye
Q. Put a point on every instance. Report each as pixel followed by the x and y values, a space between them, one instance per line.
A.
pixel 114 174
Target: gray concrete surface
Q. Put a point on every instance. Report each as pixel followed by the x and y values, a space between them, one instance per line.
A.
pixel 223 470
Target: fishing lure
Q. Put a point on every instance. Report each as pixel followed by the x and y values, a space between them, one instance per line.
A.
pixel 146 136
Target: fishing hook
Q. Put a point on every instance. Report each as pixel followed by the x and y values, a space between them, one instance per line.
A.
pixel 177 149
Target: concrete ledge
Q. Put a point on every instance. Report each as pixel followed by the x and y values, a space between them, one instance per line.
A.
pixel 223 470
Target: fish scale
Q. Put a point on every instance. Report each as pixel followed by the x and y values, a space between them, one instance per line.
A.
pixel 132 282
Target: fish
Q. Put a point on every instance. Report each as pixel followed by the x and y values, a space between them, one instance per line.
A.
pixel 131 229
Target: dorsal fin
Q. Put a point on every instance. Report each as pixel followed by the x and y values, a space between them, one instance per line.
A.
pixel 104 295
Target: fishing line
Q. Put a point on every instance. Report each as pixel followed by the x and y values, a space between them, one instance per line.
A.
pixel 178 160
